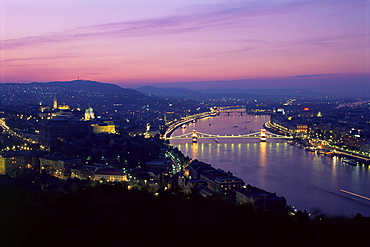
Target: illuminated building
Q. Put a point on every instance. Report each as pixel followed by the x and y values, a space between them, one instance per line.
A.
pixel 10 162
pixel 302 128
pixel 147 129
pixel 354 140
pixel 57 166
pixel 59 107
pixel 47 113
pixel 55 102
pixel 218 180
pixel 281 110
pixel 103 128
pixel 89 114
pixel 63 107
pixel 110 174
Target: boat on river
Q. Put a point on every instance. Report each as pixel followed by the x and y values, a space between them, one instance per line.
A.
pixel 349 162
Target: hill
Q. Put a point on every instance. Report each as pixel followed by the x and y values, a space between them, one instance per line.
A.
pixel 89 86
pixel 238 93
pixel 179 92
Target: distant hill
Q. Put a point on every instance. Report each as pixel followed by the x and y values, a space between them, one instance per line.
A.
pixel 307 87
pixel 266 92
pixel 179 92
pixel 89 86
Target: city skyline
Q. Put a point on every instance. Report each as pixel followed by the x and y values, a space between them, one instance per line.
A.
pixel 269 44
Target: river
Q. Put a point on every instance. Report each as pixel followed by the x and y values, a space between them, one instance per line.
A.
pixel 318 184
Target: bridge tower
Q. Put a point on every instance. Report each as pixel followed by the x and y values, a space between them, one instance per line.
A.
pixel 263 136
pixel 194 136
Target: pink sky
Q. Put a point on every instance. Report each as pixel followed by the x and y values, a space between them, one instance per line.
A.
pixel 143 42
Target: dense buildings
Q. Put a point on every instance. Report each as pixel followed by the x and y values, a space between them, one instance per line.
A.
pixel 345 127
pixel 10 162
pixel 224 183
pixel 217 180
pixel 61 129
pixel 102 136
pixel 91 170
pixel 260 199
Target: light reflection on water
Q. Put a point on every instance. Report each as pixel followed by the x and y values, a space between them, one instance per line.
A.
pixel 307 180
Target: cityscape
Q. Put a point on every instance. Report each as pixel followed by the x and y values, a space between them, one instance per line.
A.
pixel 189 124
pixel 58 140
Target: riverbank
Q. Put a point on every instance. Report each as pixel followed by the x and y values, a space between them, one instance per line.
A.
pixel 186 120
pixel 307 143
pixel 279 167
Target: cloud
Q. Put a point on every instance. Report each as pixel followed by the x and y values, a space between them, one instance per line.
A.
pixel 226 52
pixel 327 40
pixel 32 40
pixel 313 75
pixel 38 58
pixel 191 19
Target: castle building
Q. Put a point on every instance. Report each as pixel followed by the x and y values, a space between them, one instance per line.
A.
pixel 61 129
pixel 103 128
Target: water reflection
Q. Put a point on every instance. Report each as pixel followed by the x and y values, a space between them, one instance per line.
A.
pixel 306 179
pixel 263 154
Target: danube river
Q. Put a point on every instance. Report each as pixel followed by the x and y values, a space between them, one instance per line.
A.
pixel 318 184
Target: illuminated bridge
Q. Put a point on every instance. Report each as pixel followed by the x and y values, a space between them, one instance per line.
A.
pixel 232 109
pixel 262 135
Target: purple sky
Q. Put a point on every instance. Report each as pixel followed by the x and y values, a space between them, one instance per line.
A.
pixel 131 43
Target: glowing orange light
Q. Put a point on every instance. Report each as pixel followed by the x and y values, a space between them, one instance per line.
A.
pixel 306 109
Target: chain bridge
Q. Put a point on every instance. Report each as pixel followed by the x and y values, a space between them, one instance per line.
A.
pixel 263 135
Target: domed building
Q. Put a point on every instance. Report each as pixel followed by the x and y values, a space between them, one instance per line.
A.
pixel 89 114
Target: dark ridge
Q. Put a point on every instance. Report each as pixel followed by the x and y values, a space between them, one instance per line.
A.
pixel 89 86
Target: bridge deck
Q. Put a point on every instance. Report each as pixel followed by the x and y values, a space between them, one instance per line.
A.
pixel 205 135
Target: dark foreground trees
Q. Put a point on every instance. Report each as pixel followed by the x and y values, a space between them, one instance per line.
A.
pixel 111 215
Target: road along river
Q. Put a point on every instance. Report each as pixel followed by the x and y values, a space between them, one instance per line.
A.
pixel 307 180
